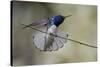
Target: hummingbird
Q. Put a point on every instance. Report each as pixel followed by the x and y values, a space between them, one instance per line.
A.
pixel 52 39
pixel 53 24
pixel 47 41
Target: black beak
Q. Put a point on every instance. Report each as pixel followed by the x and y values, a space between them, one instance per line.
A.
pixel 67 16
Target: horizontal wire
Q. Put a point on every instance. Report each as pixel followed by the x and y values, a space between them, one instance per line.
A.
pixel 62 37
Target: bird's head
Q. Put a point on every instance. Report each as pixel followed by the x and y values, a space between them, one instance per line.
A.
pixel 57 20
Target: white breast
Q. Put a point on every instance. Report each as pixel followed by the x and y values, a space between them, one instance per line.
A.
pixel 50 38
pixel 52 29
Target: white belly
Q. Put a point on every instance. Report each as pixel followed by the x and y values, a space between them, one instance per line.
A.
pixel 51 30
pixel 50 38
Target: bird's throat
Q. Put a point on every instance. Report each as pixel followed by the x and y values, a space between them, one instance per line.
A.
pixel 52 29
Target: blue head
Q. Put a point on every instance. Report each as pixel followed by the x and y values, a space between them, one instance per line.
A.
pixel 57 20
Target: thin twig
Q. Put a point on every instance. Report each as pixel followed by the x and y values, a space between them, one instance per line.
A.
pixel 62 37
pixel 82 43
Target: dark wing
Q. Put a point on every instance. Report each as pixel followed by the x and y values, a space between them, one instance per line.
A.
pixel 42 22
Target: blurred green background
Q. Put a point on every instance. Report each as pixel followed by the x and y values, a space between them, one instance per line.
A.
pixel 81 26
